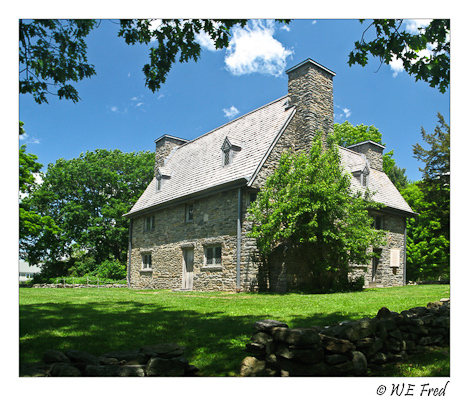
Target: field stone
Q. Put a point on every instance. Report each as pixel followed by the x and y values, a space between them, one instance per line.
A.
pixel 266 325
pixel 359 363
pixel 360 329
pixel 164 350
pixel 305 356
pixel 296 336
pixel 335 345
pixel 55 356
pixel 128 356
pixel 64 370
pixel 108 361
pixel 82 357
pixel 158 366
pixel 251 366
pixel 335 358
pixel 383 313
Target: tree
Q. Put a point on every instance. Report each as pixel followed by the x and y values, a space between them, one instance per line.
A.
pixel 86 198
pixel 30 222
pixel 429 235
pixel 308 203
pixel 345 134
pixel 424 55
pixel 52 53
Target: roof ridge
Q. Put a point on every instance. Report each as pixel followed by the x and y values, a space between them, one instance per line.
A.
pixel 232 121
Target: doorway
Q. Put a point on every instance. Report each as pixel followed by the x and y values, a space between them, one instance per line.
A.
pixel 374 265
pixel 188 269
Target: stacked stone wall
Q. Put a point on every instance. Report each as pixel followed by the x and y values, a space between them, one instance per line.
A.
pixel 352 348
pixel 164 360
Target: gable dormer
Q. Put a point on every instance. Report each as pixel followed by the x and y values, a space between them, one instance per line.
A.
pixel 362 175
pixel 162 174
pixel 229 149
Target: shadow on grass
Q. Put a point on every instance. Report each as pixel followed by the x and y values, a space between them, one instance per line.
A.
pixel 214 341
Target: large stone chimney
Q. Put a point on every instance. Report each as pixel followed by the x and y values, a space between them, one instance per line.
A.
pixel 373 152
pixel 164 146
pixel 310 91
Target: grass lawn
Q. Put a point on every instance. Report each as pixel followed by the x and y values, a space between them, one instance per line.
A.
pixel 213 327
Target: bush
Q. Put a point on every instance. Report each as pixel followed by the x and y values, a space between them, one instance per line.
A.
pixel 84 266
pixel 112 269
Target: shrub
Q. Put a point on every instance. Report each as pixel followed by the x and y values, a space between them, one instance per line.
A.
pixel 112 269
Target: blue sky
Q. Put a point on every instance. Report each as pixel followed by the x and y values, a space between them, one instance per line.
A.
pixel 117 111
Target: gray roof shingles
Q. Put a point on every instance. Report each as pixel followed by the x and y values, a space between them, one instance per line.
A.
pixel 197 165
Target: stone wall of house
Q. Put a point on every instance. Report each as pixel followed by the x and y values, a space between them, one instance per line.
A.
pixel 386 275
pixel 214 223
pixel 352 348
pixel 310 92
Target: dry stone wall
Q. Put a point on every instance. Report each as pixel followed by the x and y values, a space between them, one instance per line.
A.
pixel 165 360
pixel 347 349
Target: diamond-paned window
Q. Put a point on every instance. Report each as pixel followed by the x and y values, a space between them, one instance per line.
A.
pixel 213 255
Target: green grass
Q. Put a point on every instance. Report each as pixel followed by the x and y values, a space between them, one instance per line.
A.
pixel 434 362
pixel 213 327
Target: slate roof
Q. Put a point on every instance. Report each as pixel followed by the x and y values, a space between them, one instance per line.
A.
pixel 378 182
pixel 197 165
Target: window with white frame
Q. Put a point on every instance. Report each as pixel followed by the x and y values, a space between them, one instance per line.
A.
pixel 146 261
pixel 149 224
pixel 213 255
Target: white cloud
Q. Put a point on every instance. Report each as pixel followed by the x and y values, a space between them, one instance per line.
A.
pixel 29 139
pixel 313 22
pixel 396 65
pixel 114 109
pixel 285 28
pixel 205 41
pixel 138 104
pixel 344 113
pixel 231 112
pixel 414 25
pixel 254 49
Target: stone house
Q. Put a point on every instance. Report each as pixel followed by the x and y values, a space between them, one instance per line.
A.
pixel 188 230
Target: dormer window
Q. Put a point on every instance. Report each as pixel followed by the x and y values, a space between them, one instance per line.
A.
pixel 229 150
pixel 226 157
pixel 158 182
pixel 362 175
pixel 161 175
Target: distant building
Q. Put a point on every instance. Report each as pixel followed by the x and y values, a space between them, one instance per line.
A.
pixel 27 271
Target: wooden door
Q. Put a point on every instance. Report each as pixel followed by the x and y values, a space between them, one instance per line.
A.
pixel 188 269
